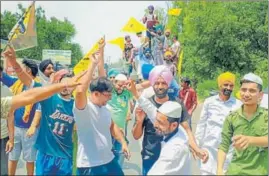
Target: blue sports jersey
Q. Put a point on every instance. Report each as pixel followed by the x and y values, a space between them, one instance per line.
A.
pixel 56 127
pixel 19 121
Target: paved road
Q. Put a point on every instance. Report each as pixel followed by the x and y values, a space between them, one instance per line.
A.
pixel 133 167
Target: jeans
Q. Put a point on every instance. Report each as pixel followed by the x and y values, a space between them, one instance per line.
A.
pixel 111 168
pixel 117 150
pixel 189 122
pixel 147 164
pixel 4 156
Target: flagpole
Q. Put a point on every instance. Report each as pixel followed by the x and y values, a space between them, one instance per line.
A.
pixel 8 42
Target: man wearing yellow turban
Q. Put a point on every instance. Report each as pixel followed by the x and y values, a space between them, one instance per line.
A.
pixel 214 112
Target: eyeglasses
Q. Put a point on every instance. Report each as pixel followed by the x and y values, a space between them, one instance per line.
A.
pixel 112 77
pixel 107 94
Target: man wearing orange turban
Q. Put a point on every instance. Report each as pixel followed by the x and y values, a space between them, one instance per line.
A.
pixel 215 110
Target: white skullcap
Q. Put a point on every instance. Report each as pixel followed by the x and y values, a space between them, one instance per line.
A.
pixel 253 78
pixel 121 77
pixel 171 109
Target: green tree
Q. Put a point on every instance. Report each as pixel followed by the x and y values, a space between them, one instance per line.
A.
pixel 51 34
pixel 222 36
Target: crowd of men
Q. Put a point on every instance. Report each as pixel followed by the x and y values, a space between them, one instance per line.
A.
pixel 45 108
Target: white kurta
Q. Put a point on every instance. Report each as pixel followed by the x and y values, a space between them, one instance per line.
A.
pixel 264 102
pixel 175 155
pixel 209 127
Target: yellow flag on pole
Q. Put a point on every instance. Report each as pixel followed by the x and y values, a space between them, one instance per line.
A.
pixel 23 34
pixel 179 67
pixel 174 12
pixel 85 61
pixel 133 26
pixel 118 41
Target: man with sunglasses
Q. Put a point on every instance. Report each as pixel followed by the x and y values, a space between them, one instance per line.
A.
pixel 119 106
pixel 94 123
pixel 214 112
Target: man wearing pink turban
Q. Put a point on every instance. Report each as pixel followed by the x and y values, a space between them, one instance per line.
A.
pixel 160 78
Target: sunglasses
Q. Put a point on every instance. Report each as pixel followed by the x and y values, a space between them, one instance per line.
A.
pixel 112 77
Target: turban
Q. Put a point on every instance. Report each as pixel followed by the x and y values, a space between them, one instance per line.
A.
pixel 168 53
pixel 43 65
pixel 113 72
pixel 227 76
pixel 146 68
pixel 171 109
pixel 160 71
pixel 167 30
pixel 159 27
pixel 146 50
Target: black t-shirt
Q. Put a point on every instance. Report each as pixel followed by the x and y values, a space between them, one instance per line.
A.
pixel 152 141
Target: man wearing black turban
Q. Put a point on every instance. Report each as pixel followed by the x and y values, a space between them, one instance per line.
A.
pixel 46 67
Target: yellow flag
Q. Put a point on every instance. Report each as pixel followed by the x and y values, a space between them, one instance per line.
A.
pixel 85 61
pixel 179 67
pixel 23 34
pixel 133 26
pixel 118 41
pixel 174 12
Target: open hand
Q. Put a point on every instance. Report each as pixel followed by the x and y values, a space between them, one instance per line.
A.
pixel 31 131
pixel 9 145
pixel 10 54
pixel 241 142
pixel 139 115
pixel 126 151
pixel 95 58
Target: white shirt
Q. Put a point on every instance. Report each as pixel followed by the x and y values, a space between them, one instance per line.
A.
pixel 174 158
pixel 209 128
pixel 94 137
pixel 6 97
pixel 175 46
pixel 264 102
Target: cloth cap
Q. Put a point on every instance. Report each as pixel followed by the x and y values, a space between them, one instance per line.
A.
pixel 171 109
pixel 253 78
pixel 227 76
pixel 121 77
pixel 160 71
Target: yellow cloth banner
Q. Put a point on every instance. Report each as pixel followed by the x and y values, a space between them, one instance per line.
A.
pixel 118 41
pixel 133 26
pixel 179 67
pixel 85 61
pixel 23 34
pixel 174 12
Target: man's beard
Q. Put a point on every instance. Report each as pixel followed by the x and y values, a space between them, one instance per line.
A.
pixel 227 92
pixel 161 94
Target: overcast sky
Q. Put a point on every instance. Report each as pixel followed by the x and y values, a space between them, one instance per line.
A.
pixel 92 19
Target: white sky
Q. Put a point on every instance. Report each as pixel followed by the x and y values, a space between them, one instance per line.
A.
pixel 92 19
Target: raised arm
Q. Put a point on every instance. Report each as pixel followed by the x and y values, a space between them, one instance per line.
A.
pixel 10 55
pixel 101 64
pixel 34 95
pixel 81 90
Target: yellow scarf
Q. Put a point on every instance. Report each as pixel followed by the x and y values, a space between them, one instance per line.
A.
pixel 17 88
